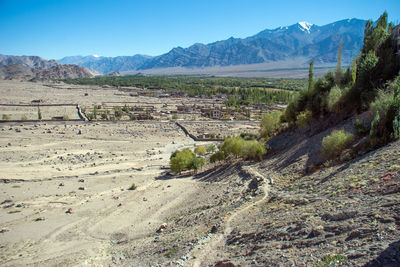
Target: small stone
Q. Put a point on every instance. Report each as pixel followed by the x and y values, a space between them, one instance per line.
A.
pixel 69 211
pixel 61 184
pixel 81 188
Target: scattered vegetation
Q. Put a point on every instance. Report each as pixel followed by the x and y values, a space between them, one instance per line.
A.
pixel 246 149
pixel 24 118
pixel 332 260
pixel 372 82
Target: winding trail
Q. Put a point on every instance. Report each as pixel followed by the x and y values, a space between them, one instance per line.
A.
pixel 209 245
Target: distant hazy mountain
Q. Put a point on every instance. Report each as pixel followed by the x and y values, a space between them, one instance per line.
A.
pixel 107 64
pixel 27 61
pixel 300 42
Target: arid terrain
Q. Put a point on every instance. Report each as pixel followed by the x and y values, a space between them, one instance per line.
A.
pixel 77 193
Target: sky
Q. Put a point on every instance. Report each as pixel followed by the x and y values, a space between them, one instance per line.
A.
pixel 54 29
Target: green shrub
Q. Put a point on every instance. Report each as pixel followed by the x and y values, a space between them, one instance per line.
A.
pixel 132 187
pixel 332 261
pixel 24 118
pixel 252 149
pixel 304 119
pixel 333 99
pixel 118 113
pixel 217 156
pixel 200 150
pixel 197 163
pixel 247 149
pixel 181 160
pixel 65 117
pixel 336 142
pixel 248 136
pixel 6 117
pixel 174 117
pixel 210 148
pixel 384 111
pixel 360 127
pixel 270 124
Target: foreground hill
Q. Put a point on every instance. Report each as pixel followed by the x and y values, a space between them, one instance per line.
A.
pixel 33 68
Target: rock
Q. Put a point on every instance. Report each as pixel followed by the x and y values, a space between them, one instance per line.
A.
pixel 6 201
pixel 81 188
pixel 3 230
pixel 61 184
pixel 39 219
pixel 144 199
pixel 69 211
pixel 81 180
pixel 213 229
pixel 119 205
pixel 162 228
pixel 224 263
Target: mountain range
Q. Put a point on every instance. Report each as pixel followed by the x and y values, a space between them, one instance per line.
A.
pixel 300 43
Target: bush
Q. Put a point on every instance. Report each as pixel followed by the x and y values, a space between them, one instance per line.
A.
pixel 270 124
pixel 384 111
pixel 66 117
pixel 181 160
pixel 333 99
pixel 210 148
pixel 248 136
pixel 118 113
pixel 132 187
pixel 252 150
pixel 200 150
pixel 24 118
pixel 174 117
pixel 6 117
pixel 360 127
pixel 217 156
pixel 247 149
pixel 197 163
pixel 304 119
pixel 336 142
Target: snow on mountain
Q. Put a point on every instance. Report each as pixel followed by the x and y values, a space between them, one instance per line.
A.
pixel 305 26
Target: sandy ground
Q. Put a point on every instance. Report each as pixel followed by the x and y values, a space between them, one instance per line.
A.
pixel 48 169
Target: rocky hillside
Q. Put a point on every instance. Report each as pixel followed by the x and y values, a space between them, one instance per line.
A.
pixel 62 72
pixel 27 61
pixel 21 72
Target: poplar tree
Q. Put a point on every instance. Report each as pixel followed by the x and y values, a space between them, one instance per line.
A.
pixel 310 75
pixel 338 71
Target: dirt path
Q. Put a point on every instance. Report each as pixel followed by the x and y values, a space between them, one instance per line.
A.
pixel 208 247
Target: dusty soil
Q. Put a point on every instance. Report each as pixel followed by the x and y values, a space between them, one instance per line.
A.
pixel 66 200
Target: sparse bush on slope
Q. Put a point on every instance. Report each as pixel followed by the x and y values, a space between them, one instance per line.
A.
pixel 336 142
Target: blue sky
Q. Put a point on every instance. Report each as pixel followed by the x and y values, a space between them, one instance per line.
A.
pixel 56 28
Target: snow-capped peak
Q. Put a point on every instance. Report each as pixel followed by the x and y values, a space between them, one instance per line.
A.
pixel 95 55
pixel 305 26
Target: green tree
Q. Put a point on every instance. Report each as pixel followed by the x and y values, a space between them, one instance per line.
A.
pixel 354 71
pixel 39 114
pixel 270 124
pixel 310 75
pixel 182 160
pixel 338 70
